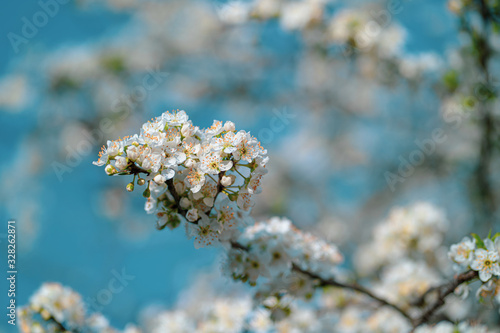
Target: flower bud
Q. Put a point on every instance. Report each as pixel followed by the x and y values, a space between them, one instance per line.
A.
pixel 141 181
pixel 110 170
pixel 228 180
pixel 121 162
pixel 130 187
pixel 146 193
pixel 192 215
pixel 133 153
pixel 185 203
pixel 229 126
pixel 159 179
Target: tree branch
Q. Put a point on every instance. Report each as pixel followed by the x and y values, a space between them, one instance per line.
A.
pixel 443 291
pixel 177 198
pixel 415 322
pixel 334 283
pixel 355 287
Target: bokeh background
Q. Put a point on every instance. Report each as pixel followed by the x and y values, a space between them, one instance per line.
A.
pixel 346 117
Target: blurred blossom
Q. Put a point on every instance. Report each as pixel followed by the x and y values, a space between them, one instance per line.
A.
pixel 362 89
pixel 14 93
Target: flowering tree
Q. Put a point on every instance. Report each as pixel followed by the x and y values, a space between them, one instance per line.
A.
pixel 403 279
pixel 205 180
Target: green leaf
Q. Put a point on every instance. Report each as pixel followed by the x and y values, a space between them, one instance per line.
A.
pixel 495 236
pixel 479 241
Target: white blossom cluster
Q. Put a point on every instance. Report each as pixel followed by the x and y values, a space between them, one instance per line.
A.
pixel 55 308
pixel 408 232
pixel 293 15
pixel 221 315
pixel 276 251
pixel 447 327
pixel 357 27
pixel 404 282
pixel 482 256
pixel 350 30
pixel 208 311
pixel 187 169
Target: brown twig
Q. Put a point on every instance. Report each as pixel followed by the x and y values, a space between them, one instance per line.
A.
pixel 177 198
pixel 443 291
pixel 352 286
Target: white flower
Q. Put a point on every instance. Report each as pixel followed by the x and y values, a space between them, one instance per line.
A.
pixel 245 200
pixel 150 206
pixel 190 163
pixel 133 152
pixel 260 322
pixel 462 253
pixel 486 261
pixel 205 232
pixel 246 148
pixel 195 180
pixel 192 215
pixel 165 175
pixel 121 162
pixel 213 164
pixel 229 126
pixel 177 118
pixel 113 149
pixel 215 129
pixel 227 143
pixel 254 184
pixel 187 130
pixel 297 15
pixel 61 303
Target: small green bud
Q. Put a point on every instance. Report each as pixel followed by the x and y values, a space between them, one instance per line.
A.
pixel 146 193
pixel 110 170
pixel 141 181
pixel 130 187
pixel 233 196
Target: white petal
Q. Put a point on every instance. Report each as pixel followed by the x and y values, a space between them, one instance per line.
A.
pixel 489 244
pixel 168 174
pixel 484 276
pixel 476 265
pixel 226 165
